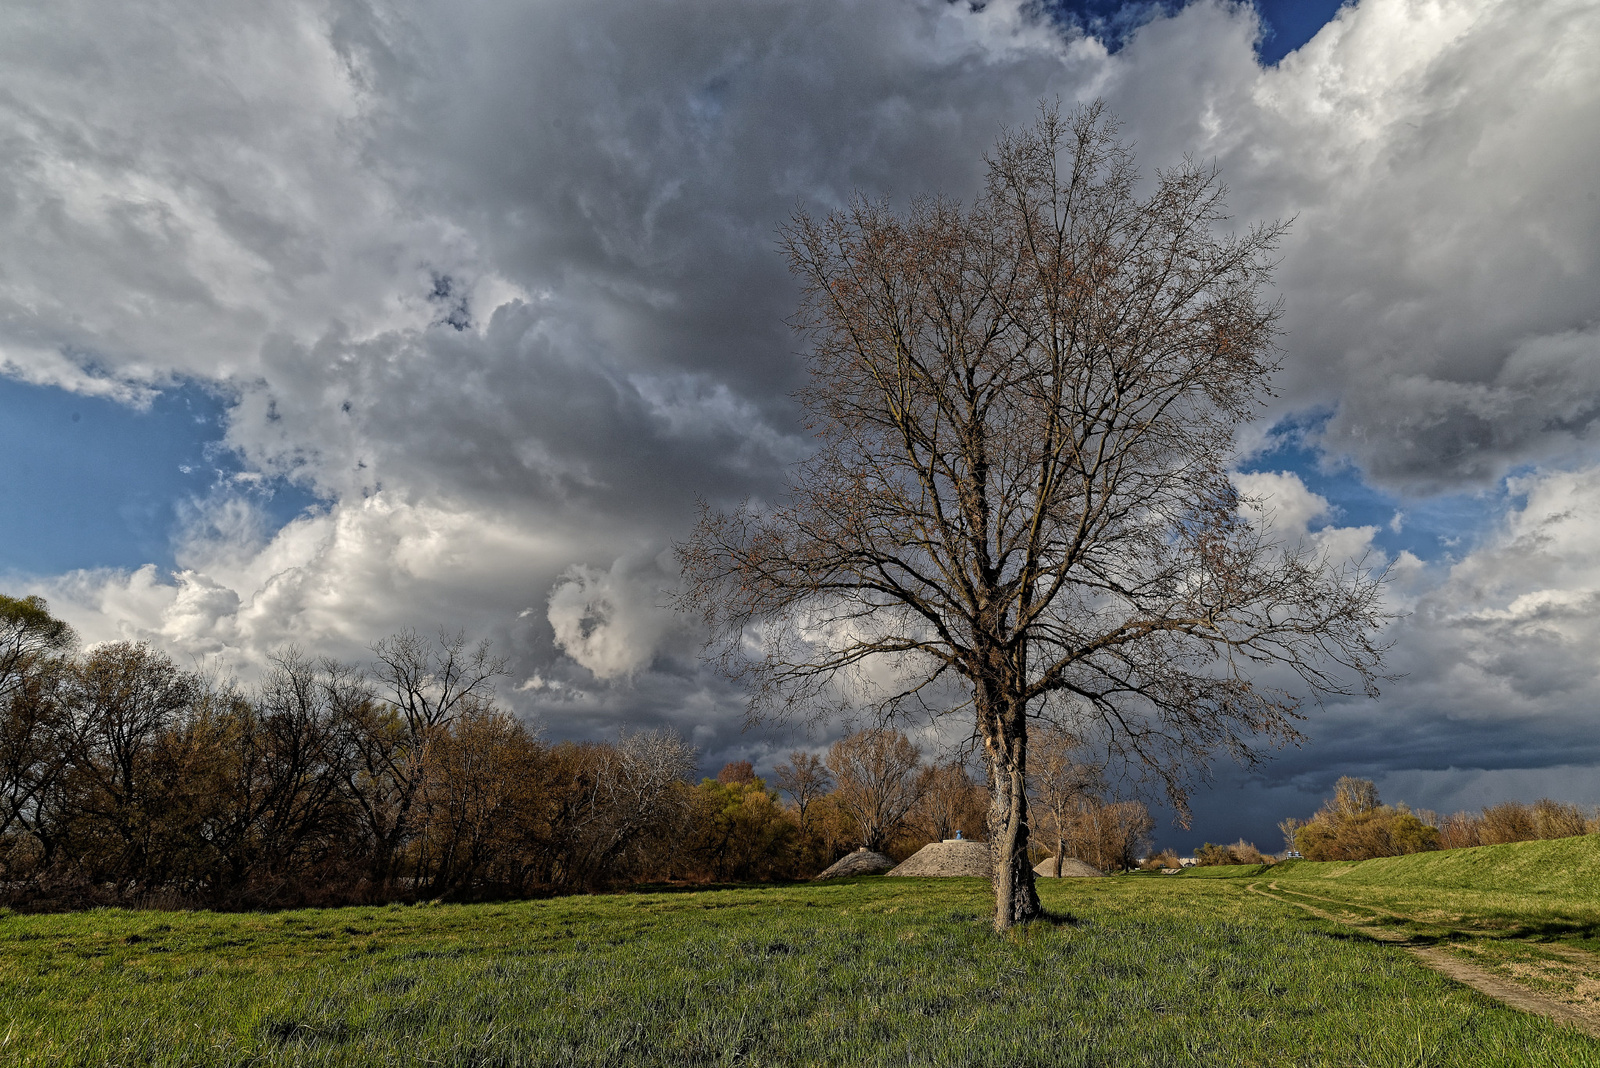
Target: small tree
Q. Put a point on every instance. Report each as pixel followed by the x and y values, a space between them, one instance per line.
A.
pixel 740 772
pixel 1107 835
pixel 1024 412
pixel 947 801
pixel 875 778
pixel 1061 780
pixel 805 779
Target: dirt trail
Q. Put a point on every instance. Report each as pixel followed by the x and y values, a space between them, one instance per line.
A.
pixel 1503 990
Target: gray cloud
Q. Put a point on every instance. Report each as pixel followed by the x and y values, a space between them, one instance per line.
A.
pixel 498 281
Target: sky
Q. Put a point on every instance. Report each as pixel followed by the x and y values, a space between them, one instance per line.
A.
pixel 324 319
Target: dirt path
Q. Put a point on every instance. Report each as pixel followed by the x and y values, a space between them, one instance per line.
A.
pixel 1485 982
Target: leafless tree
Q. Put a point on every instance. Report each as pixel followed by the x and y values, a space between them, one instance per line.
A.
pixel 948 801
pixel 804 779
pixel 1061 778
pixel 739 772
pixel 428 684
pixel 632 793
pixel 1019 504
pixel 875 781
pixel 1106 835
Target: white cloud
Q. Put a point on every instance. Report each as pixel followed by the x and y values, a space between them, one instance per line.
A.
pixel 333 581
pixel 270 197
pixel 1281 503
pixel 1282 500
pixel 612 622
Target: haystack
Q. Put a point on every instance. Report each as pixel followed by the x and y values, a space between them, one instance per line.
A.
pixel 1070 866
pixel 862 862
pixel 951 857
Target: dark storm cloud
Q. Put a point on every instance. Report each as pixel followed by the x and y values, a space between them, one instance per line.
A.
pixel 498 281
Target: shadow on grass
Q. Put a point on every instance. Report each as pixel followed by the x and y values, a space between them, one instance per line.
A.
pixel 1059 919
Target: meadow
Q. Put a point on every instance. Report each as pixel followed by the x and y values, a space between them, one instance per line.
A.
pixel 1148 970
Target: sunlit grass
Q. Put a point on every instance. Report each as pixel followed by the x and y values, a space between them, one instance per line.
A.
pixel 876 972
pixel 1525 889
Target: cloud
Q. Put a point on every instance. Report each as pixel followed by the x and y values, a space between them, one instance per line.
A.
pixel 612 622
pixel 1282 500
pixel 498 283
pixel 1493 654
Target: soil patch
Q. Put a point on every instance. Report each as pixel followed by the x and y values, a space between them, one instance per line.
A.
pixel 1484 982
pixel 948 860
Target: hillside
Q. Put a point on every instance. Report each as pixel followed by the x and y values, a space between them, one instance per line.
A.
pixel 1559 866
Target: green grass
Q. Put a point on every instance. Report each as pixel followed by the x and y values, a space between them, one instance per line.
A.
pixel 1547 889
pixel 1529 911
pixel 875 972
pixel 1564 867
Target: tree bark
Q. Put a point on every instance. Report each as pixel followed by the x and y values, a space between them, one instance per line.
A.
pixel 1006 749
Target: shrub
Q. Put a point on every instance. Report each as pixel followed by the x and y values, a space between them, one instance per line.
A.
pixel 1355 825
pixel 1164 859
pixel 1241 852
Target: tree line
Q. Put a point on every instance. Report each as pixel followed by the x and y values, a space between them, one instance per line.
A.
pixel 1355 824
pixel 126 779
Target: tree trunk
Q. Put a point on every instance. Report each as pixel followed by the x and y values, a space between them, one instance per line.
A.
pixel 1006 747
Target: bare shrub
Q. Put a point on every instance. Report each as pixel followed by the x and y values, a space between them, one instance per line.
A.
pixel 1553 819
pixel 1240 852
pixel 1461 830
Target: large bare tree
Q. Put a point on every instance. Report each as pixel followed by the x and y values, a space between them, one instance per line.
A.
pixel 1024 412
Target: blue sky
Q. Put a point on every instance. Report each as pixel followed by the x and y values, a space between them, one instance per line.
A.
pixel 95 483
pixel 1286 24
pixel 1432 527
pixel 246 211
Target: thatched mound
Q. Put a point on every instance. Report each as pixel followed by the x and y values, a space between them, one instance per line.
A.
pixel 949 858
pixel 861 862
pixel 1070 866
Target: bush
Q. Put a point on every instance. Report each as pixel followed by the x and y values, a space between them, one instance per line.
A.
pixel 1355 825
pixel 1241 852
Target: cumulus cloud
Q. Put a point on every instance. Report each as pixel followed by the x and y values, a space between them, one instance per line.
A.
pixel 498 283
pixel 613 621
pixel 1282 500
pixel 1281 503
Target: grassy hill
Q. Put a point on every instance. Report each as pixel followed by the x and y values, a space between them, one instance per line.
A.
pixel 1559 866
pixel 1524 888
pixel 1562 866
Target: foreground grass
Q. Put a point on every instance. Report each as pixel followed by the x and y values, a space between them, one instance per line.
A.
pixel 880 971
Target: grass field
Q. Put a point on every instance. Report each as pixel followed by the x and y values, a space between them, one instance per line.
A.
pixel 1543 891
pixel 1155 971
pixel 1528 912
